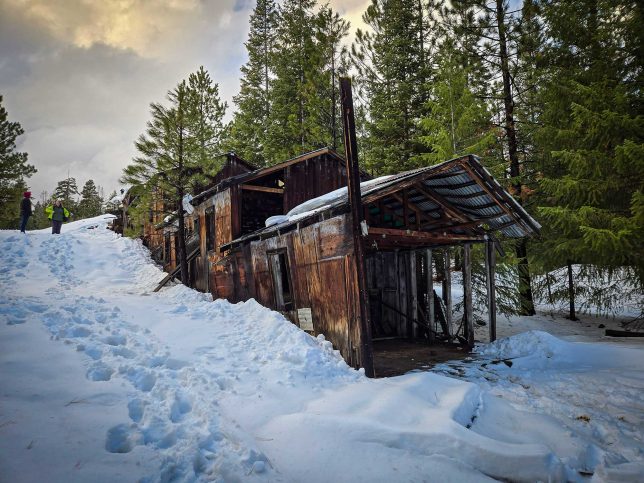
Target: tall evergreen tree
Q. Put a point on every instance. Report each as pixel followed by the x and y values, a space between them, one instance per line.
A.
pixel 392 65
pixel 90 203
pixel 593 140
pixel 67 190
pixel 457 122
pixel 174 152
pixel 249 128
pixel 13 170
pixel 295 123
pixel 331 31
pixel 205 111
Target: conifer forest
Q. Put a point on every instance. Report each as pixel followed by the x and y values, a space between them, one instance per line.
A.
pixel 548 94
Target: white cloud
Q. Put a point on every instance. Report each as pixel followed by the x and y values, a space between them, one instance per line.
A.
pixel 82 94
pixel 79 75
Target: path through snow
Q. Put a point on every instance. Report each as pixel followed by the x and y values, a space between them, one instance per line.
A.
pixel 101 380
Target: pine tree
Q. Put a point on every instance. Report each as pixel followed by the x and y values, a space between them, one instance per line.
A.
pixel 458 122
pixel 593 140
pixel 205 112
pixel 332 30
pixel 392 64
pixel 67 190
pixel 175 147
pixel 90 203
pixel 13 170
pixel 249 128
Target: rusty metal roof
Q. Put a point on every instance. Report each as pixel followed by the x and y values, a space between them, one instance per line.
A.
pixel 463 184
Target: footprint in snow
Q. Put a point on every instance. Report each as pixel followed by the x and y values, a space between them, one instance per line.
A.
pixel 122 438
pixel 99 371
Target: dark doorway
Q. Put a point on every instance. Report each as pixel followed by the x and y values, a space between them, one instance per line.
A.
pixel 278 262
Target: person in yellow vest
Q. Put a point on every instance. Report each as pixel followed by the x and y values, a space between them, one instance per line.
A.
pixel 57 213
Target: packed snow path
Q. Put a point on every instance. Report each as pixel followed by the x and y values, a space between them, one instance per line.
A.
pixel 102 380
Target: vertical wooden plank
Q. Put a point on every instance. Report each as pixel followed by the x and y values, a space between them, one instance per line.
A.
pixel 490 269
pixel 467 294
pixel 447 291
pixel 405 208
pixel 355 202
pixel 430 291
pixel 412 313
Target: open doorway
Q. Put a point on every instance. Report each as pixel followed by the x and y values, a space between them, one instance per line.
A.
pixel 278 262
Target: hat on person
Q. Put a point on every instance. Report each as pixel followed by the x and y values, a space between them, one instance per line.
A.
pixel 27 194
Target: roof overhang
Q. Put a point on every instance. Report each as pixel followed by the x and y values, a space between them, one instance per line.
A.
pixel 458 199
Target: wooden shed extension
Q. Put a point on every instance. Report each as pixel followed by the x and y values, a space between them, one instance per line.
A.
pixel 239 205
pixel 306 265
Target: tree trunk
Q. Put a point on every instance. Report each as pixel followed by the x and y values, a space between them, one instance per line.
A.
pixel 183 262
pixel 571 293
pixel 525 288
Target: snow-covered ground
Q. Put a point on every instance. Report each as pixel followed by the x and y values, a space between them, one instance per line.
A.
pixel 102 380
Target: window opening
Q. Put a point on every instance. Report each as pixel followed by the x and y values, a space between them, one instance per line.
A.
pixel 281 280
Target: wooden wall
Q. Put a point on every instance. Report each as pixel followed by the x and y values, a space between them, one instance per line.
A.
pixel 312 178
pixel 396 286
pixel 323 278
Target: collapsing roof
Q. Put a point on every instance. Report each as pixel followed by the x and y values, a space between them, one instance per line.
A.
pixel 462 187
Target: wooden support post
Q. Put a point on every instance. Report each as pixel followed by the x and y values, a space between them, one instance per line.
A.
pixel 467 295
pixel 490 269
pixel 447 291
pixel 430 291
pixel 412 308
pixel 355 202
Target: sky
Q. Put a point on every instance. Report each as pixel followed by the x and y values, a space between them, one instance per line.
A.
pixel 79 75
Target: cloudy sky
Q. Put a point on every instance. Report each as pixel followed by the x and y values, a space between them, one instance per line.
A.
pixel 79 75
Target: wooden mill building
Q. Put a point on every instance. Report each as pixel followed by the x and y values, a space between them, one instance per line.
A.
pixel 305 264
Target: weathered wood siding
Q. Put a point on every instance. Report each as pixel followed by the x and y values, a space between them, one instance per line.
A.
pixel 390 280
pixel 322 275
pixel 312 178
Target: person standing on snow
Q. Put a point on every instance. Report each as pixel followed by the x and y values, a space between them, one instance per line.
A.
pixel 57 213
pixel 25 210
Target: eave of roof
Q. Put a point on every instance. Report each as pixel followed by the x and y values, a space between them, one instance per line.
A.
pixel 258 173
pixel 507 216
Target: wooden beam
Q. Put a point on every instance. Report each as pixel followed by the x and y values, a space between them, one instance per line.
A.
pixel 421 235
pixel 264 189
pixel 408 206
pixel 467 196
pixel 446 205
pixel 454 186
pixel 355 204
pixel 493 194
pixel 410 180
pixel 490 268
pixel 467 295
pixel 469 224
pixel 447 292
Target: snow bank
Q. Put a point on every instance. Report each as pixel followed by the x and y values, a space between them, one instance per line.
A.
pixel 107 380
